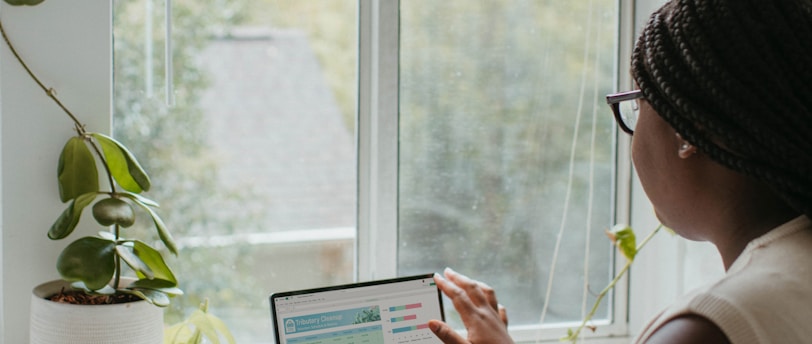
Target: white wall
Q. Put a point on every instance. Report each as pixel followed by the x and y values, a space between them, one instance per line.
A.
pixel 68 45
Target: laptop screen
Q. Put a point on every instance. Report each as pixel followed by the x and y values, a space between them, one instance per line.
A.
pixel 386 311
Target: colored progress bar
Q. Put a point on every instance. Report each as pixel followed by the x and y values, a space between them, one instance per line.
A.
pixel 410 328
pixel 403 318
pixel 403 308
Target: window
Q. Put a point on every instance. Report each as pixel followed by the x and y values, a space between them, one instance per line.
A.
pixel 481 140
pixel 505 144
pixel 249 136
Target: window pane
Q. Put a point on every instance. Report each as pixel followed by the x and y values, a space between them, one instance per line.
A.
pixel 252 153
pixel 505 141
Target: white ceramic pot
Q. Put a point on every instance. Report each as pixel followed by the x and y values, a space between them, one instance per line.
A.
pixel 59 323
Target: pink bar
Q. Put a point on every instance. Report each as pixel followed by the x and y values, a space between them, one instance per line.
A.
pixel 414 305
pixel 410 317
pixel 422 326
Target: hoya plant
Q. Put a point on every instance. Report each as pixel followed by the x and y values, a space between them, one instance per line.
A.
pixel 95 263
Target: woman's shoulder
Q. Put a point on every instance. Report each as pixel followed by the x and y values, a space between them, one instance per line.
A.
pixel 689 328
pixel 764 297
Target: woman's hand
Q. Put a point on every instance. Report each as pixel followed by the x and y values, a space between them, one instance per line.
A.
pixel 484 318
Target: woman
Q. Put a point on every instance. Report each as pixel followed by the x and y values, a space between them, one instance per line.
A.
pixel 722 148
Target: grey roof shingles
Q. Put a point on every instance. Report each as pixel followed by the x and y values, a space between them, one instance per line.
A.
pixel 276 127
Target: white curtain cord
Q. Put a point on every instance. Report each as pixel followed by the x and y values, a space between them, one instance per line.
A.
pixel 170 82
pixel 148 65
pixel 591 193
pixel 553 263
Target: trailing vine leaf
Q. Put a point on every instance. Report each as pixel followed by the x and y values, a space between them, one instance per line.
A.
pixel 623 237
pixel 122 164
pixel 76 171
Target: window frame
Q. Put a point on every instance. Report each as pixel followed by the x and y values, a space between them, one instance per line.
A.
pixel 378 108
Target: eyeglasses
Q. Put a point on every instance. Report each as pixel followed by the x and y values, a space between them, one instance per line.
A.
pixel 626 109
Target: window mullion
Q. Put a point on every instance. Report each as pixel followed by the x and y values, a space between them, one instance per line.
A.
pixel 377 139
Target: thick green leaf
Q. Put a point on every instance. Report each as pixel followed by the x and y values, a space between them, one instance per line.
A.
pixel 107 290
pixel 127 253
pixel 167 287
pixel 154 297
pixel 24 2
pixel 114 211
pixel 76 172
pixel 139 199
pixel 153 259
pixel 123 166
pixel 163 233
pixel 107 235
pixel 67 222
pixel 90 260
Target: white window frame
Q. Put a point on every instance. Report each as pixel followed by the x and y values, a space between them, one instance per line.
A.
pixel 75 57
pixel 378 159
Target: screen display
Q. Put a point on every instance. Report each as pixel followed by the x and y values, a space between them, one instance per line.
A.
pixel 393 311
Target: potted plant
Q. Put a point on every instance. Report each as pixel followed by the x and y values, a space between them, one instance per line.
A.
pixel 92 267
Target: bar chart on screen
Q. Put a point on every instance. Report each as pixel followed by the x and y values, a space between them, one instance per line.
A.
pixel 409 324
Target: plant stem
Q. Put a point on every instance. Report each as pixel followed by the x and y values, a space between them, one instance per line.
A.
pixel 611 285
pixel 49 91
pixel 117 275
pixel 80 129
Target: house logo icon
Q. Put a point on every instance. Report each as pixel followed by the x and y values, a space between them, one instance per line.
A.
pixel 290 326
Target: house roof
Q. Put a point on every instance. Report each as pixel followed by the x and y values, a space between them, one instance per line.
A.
pixel 277 131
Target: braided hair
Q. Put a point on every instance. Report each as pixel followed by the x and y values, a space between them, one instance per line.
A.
pixel 734 78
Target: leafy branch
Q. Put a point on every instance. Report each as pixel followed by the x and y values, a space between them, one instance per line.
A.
pixel 624 238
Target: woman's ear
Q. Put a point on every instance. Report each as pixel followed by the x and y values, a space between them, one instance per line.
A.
pixel 686 149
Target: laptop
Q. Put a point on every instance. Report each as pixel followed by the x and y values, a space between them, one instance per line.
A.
pixel 390 311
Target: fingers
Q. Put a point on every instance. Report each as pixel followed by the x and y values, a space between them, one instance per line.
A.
pixel 478 292
pixel 484 319
pixel 445 333
pixel 503 314
pixel 459 296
